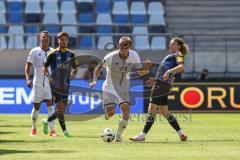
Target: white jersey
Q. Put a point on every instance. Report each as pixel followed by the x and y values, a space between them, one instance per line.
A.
pixel 36 58
pixel 118 69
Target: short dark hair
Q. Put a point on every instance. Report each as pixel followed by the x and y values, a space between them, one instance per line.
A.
pixel 60 34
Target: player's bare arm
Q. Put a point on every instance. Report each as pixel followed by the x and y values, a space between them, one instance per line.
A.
pixel 145 69
pixel 74 73
pixel 96 73
pixel 27 74
pixel 175 70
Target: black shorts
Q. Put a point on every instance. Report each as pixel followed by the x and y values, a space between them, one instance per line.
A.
pixel 59 96
pixel 158 100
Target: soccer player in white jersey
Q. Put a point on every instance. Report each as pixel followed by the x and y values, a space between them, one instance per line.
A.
pixel 40 85
pixel 117 84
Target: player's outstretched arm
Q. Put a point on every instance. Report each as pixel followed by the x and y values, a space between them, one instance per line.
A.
pixel 96 73
pixel 145 69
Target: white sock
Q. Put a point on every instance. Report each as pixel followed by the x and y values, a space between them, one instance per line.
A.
pixel 34 116
pixel 50 112
pixel 121 126
pixel 142 134
pixel 180 132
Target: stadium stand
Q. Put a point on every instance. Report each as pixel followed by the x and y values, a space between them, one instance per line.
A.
pixel 216 27
pixel 89 17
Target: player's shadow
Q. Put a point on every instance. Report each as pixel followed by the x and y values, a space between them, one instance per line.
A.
pixel 6 151
pixel 55 151
pixel 188 141
pixel 39 141
pixel 87 136
pixel 159 142
pixel 11 141
pixel 16 126
pixel 24 141
pixel 215 140
pixel 1 133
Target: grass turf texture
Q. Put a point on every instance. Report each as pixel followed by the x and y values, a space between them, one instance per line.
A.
pixel 211 136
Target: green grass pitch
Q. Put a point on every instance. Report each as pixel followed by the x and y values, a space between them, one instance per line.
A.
pixel 211 136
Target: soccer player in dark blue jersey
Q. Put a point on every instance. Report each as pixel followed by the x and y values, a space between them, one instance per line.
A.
pixel 63 66
pixel 172 64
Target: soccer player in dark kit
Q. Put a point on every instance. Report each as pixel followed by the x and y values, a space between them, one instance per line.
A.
pixel 172 64
pixel 63 66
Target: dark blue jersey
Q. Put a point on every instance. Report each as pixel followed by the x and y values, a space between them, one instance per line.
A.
pixel 170 61
pixel 61 64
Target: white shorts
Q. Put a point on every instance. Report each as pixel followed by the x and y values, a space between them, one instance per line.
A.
pixel 41 93
pixel 113 98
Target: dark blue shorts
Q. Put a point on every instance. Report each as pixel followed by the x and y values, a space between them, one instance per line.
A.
pixel 60 96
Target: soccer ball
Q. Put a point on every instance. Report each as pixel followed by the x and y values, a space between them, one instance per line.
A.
pixel 108 135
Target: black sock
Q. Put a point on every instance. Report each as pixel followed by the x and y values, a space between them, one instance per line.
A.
pixel 52 117
pixel 173 122
pixel 149 122
pixel 61 121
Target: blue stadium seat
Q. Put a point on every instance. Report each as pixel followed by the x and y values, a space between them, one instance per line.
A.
pixel 15 6
pixel 140 30
pixel 15 40
pixel 156 29
pixel 155 8
pixel 103 19
pixel 86 18
pixel 3 42
pixel 33 7
pixel 51 18
pixel 87 29
pixel 157 19
pixel 139 19
pixel 32 41
pixel 68 18
pixel 71 30
pixel 124 29
pixel 52 28
pixel 138 8
pixel 15 17
pixel 156 1
pixel 2 18
pixel 84 7
pixel 119 0
pixel 32 29
pixel 104 29
pixel 103 40
pixel 105 1
pixel 88 1
pixel 33 18
pixel 121 18
pixel 68 7
pixel 50 7
pixel 158 43
pixel 120 7
pixel 49 1
pixel 3 29
pixel 157 23
pixel 103 7
pixel 141 42
pixel 86 42
pixel 2 7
